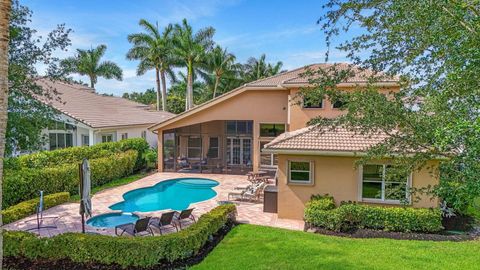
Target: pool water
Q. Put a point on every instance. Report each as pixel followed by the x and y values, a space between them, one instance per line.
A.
pixel 175 194
pixel 111 220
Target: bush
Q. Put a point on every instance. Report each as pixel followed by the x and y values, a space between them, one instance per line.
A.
pixel 27 208
pixel 124 251
pixel 24 184
pixel 350 216
pixel 72 155
pixel 151 157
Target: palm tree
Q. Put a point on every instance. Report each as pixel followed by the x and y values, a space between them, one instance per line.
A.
pixel 219 64
pixel 5 7
pixel 154 50
pixel 192 49
pixel 87 62
pixel 256 69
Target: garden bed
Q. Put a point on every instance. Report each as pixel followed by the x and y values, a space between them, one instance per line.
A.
pixel 43 264
pixel 368 233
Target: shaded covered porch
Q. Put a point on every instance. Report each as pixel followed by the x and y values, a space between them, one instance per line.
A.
pixel 219 146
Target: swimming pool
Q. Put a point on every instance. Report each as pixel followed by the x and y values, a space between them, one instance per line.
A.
pixel 175 194
pixel 111 220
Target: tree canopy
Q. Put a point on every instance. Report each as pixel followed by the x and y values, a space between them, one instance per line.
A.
pixel 433 47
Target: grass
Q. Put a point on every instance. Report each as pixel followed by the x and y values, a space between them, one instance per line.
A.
pixel 112 184
pixel 258 247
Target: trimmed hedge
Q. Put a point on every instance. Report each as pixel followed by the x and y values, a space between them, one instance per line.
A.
pixel 124 251
pixel 350 216
pixel 24 184
pixel 27 208
pixel 77 154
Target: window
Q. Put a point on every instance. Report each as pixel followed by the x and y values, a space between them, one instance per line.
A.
pixel 267 159
pixel 107 138
pixel 124 136
pixel 384 183
pixel 60 140
pixel 194 147
pixel 144 134
pixel 300 172
pixel 85 140
pixel 271 130
pixel 213 149
pixel 239 127
pixel 312 102
pixel 338 104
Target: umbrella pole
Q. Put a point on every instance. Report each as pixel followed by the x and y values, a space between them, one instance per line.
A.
pixel 81 196
pixel 83 223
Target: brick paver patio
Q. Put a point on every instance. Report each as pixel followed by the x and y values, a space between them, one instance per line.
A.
pixel 70 221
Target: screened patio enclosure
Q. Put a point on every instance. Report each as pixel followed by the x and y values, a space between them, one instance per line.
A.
pixel 210 147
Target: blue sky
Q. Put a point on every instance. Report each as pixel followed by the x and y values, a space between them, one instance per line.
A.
pixel 284 30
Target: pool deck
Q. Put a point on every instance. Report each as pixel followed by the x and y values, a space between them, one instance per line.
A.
pixel 70 220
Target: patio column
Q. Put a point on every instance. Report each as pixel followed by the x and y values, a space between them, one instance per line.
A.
pixel 160 150
pixel 256 146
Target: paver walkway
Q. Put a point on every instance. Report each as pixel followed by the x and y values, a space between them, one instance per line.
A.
pixel 70 221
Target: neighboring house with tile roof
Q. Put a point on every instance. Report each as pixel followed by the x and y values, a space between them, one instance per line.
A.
pixel 87 118
pixel 262 125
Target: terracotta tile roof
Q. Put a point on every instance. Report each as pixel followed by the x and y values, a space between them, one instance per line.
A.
pixel 98 111
pixel 323 139
pixel 295 76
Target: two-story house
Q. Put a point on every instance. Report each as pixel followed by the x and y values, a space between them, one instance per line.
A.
pixel 261 126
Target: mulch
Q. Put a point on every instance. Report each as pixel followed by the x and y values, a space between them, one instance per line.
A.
pixel 367 233
pixel 43 264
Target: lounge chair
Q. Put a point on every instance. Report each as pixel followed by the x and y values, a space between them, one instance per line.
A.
pixel 164 221
pixel 184 215
pixel 255 193
pixel 141 226
pixel 248 193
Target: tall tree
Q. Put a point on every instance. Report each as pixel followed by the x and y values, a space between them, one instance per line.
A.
pixel 433 46
pixel 87 62
pixel 256 69
pixel 27 116
pixel 5 7
pixel 148 97
pixel 219 64
pixel 154 50
pixel 192 49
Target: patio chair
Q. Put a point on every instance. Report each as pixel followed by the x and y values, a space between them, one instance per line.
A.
pixel 164 221
pixel 141 226
pixel 184 216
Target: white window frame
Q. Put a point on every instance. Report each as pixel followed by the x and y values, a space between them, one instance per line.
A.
pixel 124 136
pixel 85 137
pixel 311 172
pixel 382 199
pixel 57 134
pixel 106 135
pixel 144 134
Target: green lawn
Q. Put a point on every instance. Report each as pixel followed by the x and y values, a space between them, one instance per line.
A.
pixel 258 247
pixel 112 184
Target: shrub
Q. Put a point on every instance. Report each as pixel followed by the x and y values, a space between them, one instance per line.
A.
pixel 124 251
pixel 77 154
pixel 151 158
pixel 27 208
pixel 24 184
pixel 352 216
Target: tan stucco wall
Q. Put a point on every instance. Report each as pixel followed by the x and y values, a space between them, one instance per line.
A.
pixel 299 116
pixel 260 106
pixel 338 177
